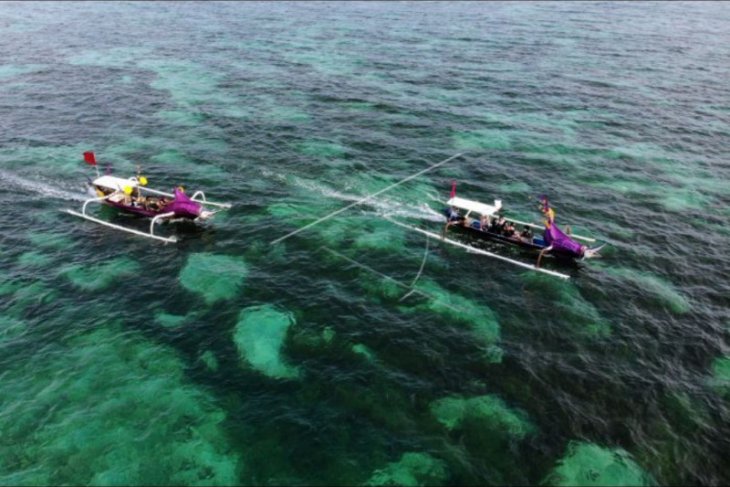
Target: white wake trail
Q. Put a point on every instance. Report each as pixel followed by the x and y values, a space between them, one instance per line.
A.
pixel 40 188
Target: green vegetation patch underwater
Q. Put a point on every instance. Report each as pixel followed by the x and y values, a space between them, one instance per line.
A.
pixel 411 470
pixel 566 300
pixel 451 307
pixel 259 336
pixel 721 375
pixel 100 276
pixel 215 277
pixel 120 413
pixel 489 410
pixel 589 464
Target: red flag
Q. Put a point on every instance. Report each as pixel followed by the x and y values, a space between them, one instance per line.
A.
pixel 89 158
pixel 453 189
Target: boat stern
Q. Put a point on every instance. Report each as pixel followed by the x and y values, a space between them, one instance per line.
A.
pixel 184 207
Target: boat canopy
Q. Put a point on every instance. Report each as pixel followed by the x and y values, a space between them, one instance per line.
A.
pixel 470 205
pixel 117 184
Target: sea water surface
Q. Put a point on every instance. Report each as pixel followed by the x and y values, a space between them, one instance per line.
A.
pixel 226 360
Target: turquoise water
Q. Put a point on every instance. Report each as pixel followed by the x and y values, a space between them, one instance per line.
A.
pixel 225 360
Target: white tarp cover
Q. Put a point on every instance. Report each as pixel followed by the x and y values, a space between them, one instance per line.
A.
pixel 470 205
pixel 117 184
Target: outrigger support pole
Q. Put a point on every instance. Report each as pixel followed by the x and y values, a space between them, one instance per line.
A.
pixel 172 239
pixel 83 214
pixel 543 251
pixel 158 217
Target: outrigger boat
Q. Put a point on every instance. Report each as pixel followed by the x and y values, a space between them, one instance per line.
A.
pixel 553 241
pixel 131 196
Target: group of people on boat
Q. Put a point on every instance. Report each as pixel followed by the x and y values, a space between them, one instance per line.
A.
pixel 151 203
pixel 497 225
pixel 133 198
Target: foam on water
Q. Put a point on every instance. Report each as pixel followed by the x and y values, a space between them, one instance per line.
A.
pixel 408 202
pixel 40 188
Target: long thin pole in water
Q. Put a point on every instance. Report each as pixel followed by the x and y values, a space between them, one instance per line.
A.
pixel 363 200
pixel 390 279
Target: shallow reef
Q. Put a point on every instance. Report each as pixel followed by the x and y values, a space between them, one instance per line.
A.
pixel 588 464
pixel 121 413
pixel 412 469
pixel 214 277
pixel 259 336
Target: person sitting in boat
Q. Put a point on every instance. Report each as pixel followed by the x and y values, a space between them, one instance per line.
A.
pixel 152 203
pixel 127 196
pixel 483 223
pixel 497 225
pixel 494 225
pixel 452 214
pixel 526 234
pixel 509 230
pixel 453 217
pixel 476 224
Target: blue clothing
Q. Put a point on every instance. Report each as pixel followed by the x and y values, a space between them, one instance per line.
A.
pixel 453 215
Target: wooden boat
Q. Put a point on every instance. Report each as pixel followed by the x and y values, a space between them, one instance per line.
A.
pixel 131 195
pixel 553 241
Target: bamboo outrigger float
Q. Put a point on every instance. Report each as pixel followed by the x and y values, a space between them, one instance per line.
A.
pixel 131 196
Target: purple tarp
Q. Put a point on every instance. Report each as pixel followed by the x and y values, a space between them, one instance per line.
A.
pixel 561 242
pixel 183 206
pixel 555 237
